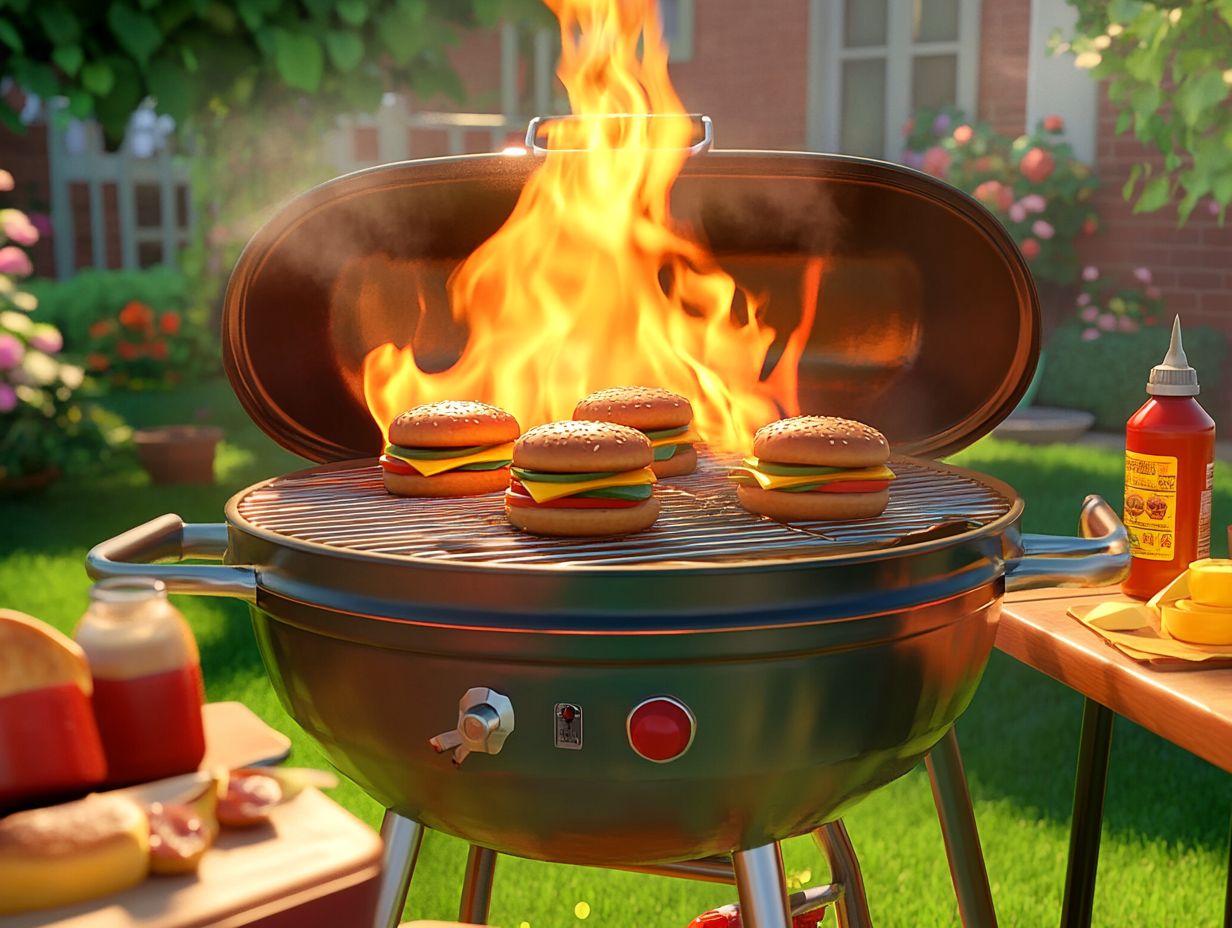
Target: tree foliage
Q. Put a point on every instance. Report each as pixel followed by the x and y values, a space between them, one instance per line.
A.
pixel 1168 69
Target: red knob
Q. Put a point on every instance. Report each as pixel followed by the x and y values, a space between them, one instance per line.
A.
pixel 661 729
pixel 567 713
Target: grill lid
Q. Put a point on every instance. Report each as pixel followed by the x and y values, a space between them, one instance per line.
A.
pixel 927 324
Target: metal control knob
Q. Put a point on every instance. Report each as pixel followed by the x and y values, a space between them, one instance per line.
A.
pixel 485 719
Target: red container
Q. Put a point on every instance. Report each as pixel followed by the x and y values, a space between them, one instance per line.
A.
pixel 49 744
pixel 147 681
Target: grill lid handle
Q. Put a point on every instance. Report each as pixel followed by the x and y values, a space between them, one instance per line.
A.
pixel 1098 558
pixel 133 554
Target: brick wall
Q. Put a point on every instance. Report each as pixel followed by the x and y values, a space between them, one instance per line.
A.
pixel 1005 31
pixel 25 157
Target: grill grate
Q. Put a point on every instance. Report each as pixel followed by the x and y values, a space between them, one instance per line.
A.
pixel 346 507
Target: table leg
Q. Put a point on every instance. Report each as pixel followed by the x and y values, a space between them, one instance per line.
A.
pixel 477 886
pixel 851 908
pixel 402 838
pixel 1090 782
pixel 762 887
pixel 962 839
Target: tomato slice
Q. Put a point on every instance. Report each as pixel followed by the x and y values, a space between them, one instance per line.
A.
pixel 852 486
pixel 394 466
pixel 517 496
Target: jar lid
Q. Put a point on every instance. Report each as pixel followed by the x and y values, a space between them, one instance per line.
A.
pixel 1173 376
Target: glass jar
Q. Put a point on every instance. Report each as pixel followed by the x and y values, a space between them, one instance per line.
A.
pixel 147 680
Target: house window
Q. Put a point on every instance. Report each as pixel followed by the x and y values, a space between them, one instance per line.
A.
pixel 678 28
pixel 874 62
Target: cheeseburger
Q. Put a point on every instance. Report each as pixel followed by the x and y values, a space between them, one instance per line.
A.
pixel 582 478
pixel 664 417
pixel 816 467
pixel 449 449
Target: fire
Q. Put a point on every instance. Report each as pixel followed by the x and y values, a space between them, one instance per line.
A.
pixel 590 283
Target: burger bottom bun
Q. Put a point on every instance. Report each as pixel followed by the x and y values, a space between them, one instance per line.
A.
pixel 803 507
pixel 682 462
pixel 583 522
pixel 450 483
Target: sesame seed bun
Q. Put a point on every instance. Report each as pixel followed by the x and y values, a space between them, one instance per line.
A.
pixel 645 408
pixel 583 522
pixel 573 447
pixel 684 461
pixel 450 483
pixel 821 441
pixel 453 424
pixel 804 507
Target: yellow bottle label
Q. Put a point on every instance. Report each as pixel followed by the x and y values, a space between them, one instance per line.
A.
pixel 1150 505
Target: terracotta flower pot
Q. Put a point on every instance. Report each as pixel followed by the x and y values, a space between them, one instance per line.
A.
pixel 178 453
pixel 28 483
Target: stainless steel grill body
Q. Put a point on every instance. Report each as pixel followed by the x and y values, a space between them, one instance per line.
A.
pixel 819 661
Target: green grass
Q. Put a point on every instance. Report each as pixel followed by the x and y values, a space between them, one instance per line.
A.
pixel 1163 858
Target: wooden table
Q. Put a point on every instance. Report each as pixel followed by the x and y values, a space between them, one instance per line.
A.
pixel 1192 709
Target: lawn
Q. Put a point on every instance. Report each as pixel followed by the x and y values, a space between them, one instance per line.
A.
pixel 1164 853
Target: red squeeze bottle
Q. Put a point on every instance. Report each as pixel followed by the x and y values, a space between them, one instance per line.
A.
pixel 1169 471
pixel 147 681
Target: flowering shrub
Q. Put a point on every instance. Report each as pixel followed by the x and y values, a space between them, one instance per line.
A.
pixel 1104 307
pixel 142 348
pixel 43 426
pixel 1033 183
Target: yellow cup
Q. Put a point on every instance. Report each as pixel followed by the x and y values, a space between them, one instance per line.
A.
pixel 1196 623
pixel 1210 582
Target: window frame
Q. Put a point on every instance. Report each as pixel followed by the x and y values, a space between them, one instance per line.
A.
pixel 827 55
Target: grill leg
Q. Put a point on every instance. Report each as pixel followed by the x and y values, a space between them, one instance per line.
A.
pixel 851 909
pixel 1090 781
pixel 962 840
pixel 477 886
pixel 762 886
pixel 402 837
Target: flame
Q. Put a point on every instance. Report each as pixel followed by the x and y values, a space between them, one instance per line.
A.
pixel 590 283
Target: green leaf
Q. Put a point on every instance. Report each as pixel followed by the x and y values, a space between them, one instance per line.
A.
pixel 352 12
pixel 346 50
pixel 171 88
pixel 1154 195
pixel 318 9
pixel 98 78
pixel 35 76
pixel 489 13
pixel 59 23
pixel 80 103
pixel 137 33
pixel 1198 94
pixel 404 32
pixel 68 58
pixel 115 108
pixel 251 12
pixel 1134 173
pixel 11 119
pixel 299 59
pixel 1124 121
pixel 11 37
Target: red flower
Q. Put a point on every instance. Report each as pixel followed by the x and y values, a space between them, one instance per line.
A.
pixel 136 315
pixel 169 323
pixel 1089 227
pixel 157 350
pixel 1037 165
pixel 963 134
pixel 1030 249
pixel 1054 124
pixel 97 362
pixel 128 351
pixel 101 329
pixel 936 161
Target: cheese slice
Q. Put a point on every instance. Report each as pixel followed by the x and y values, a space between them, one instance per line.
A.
pixel 686 437
pixel 430 468
pixel 546 492
pixel 778 482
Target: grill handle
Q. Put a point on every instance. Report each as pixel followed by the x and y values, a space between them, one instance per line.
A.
pixel 1098 558
pixel 133 554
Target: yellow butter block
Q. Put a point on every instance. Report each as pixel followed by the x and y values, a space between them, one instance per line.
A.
pixel 1210 582
pixel 1117 616
pixel 1197 623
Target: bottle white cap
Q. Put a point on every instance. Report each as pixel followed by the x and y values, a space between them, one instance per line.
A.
pixel 1173 376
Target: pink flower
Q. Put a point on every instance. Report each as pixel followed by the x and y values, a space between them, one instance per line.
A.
pixel 1107 322
pixel 936 162
pixel 908 126
pixel 17 227
pixel 8 398
pixel 963 134
pixel 1154 293
pixel 14 261
pixel 1127 324
pixel 1090 314
pixel 1042 229
pixel 42 222
pixel 1089 335
pixel 1030 249
pixel 1034 203
pixel 6 181
pixel 1090 272
pixel 1054 124
pixel 1018 212
pixel 1037 165
pixel 1084 299
pixel 1212 206
pixel 47 339
pixel 11 351
pixel 989 192
pixel 913 159
pixel 1143 274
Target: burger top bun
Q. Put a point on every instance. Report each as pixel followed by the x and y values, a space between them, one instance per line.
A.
pixel 580 447
pixel 821 441
pixel 33 655
pixel 645 408
pixel 55 831
pixel 453 424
